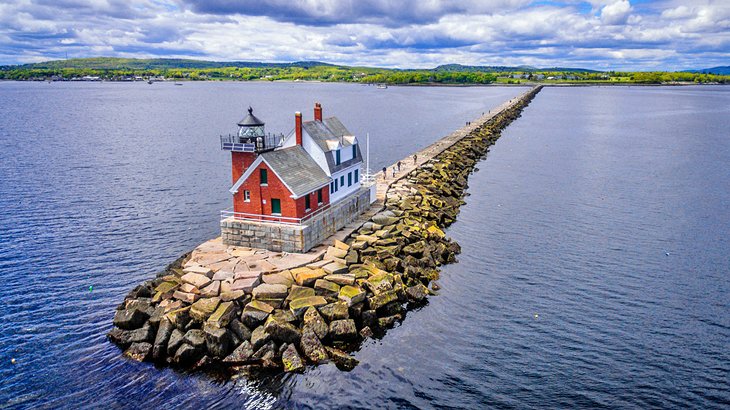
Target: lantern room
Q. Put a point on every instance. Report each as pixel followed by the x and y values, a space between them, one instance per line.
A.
pixel 251 136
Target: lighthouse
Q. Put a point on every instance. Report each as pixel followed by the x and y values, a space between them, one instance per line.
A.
pixel 289 192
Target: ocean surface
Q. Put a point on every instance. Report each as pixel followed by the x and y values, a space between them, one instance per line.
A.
pixel 594 273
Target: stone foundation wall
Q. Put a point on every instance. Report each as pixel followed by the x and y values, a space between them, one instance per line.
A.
pixel 296 238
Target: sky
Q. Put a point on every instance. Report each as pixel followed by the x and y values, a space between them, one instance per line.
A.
pixel 596 34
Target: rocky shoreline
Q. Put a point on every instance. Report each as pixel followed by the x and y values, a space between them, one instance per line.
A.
pixel 192 317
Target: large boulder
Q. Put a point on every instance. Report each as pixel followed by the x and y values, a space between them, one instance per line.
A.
pixel 379 283
pixel 132 317
pixel 383 219
pixel 196 279
pixel 341 279
pixel 240 354
pixel 300 305
pixel 279 278
pixel 334 268
pixel 343 329
pixel 217 340
pixel 306 276
pixel 342 360
pixel 415 249
pixel 255 312
pixel 203 308
pixel 351 295
pixel 417 292
pixel 334 311
pixel 382 299
pixel 325 288
pixel 139 351
pixel 335 253
pixel 270 291
pixel 313 320
pixel 241 331
pixel 291 360
pixel 195 338
pixel 224 313
pixel 176 339
pixel 388 321
pixel 125 338
pixel 311 346
pixel 186 354
pixel 297 292
pixel 281 330
pixel 259 337
pixel 266 355
pixel 159 348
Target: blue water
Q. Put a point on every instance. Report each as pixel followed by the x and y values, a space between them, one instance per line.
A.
pixel 104 184
pixel 594 271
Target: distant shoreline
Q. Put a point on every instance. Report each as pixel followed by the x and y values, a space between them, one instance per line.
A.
pixel 495 84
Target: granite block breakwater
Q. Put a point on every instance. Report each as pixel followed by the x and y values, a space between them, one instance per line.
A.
pixel 192 316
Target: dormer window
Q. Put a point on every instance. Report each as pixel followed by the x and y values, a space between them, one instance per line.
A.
pixel 337 157
pixel 354 150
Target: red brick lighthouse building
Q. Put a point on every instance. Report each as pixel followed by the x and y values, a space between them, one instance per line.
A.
pixel 291 192
pixel 278 179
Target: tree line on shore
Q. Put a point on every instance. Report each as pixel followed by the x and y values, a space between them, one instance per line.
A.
pixel 129 70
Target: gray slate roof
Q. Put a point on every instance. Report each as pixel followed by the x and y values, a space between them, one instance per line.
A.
pixel 297 169
pixel 327 129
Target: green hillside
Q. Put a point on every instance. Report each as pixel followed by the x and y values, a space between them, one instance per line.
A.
pixel 157 69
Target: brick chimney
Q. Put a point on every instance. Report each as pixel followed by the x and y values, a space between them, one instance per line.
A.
pixel 298 127
pixel 317 112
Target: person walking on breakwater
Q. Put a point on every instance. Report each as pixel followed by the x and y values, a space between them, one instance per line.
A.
pixel 398 166
pixel 393 172
pixel 415 159
pixel 385 172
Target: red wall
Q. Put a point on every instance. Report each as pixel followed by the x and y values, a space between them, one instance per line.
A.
pixel 239 162
pixel 276 189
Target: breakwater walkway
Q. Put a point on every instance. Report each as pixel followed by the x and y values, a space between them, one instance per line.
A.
pixel 216 255
pixel 243 309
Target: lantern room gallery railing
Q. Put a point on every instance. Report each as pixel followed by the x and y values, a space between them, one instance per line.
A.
pixel 248 144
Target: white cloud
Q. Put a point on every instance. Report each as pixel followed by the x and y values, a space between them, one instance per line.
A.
pixel 612 34
pixel 616 13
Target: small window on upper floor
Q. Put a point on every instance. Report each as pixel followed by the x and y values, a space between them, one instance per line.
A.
pixel 264 174
pixel 349 179
pixel 357 175
pixel 319 196
pixel 307 203
pixel 337 157
pixel 247 196
pixel 354 151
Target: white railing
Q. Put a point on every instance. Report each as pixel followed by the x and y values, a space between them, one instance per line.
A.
pixel 286 220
